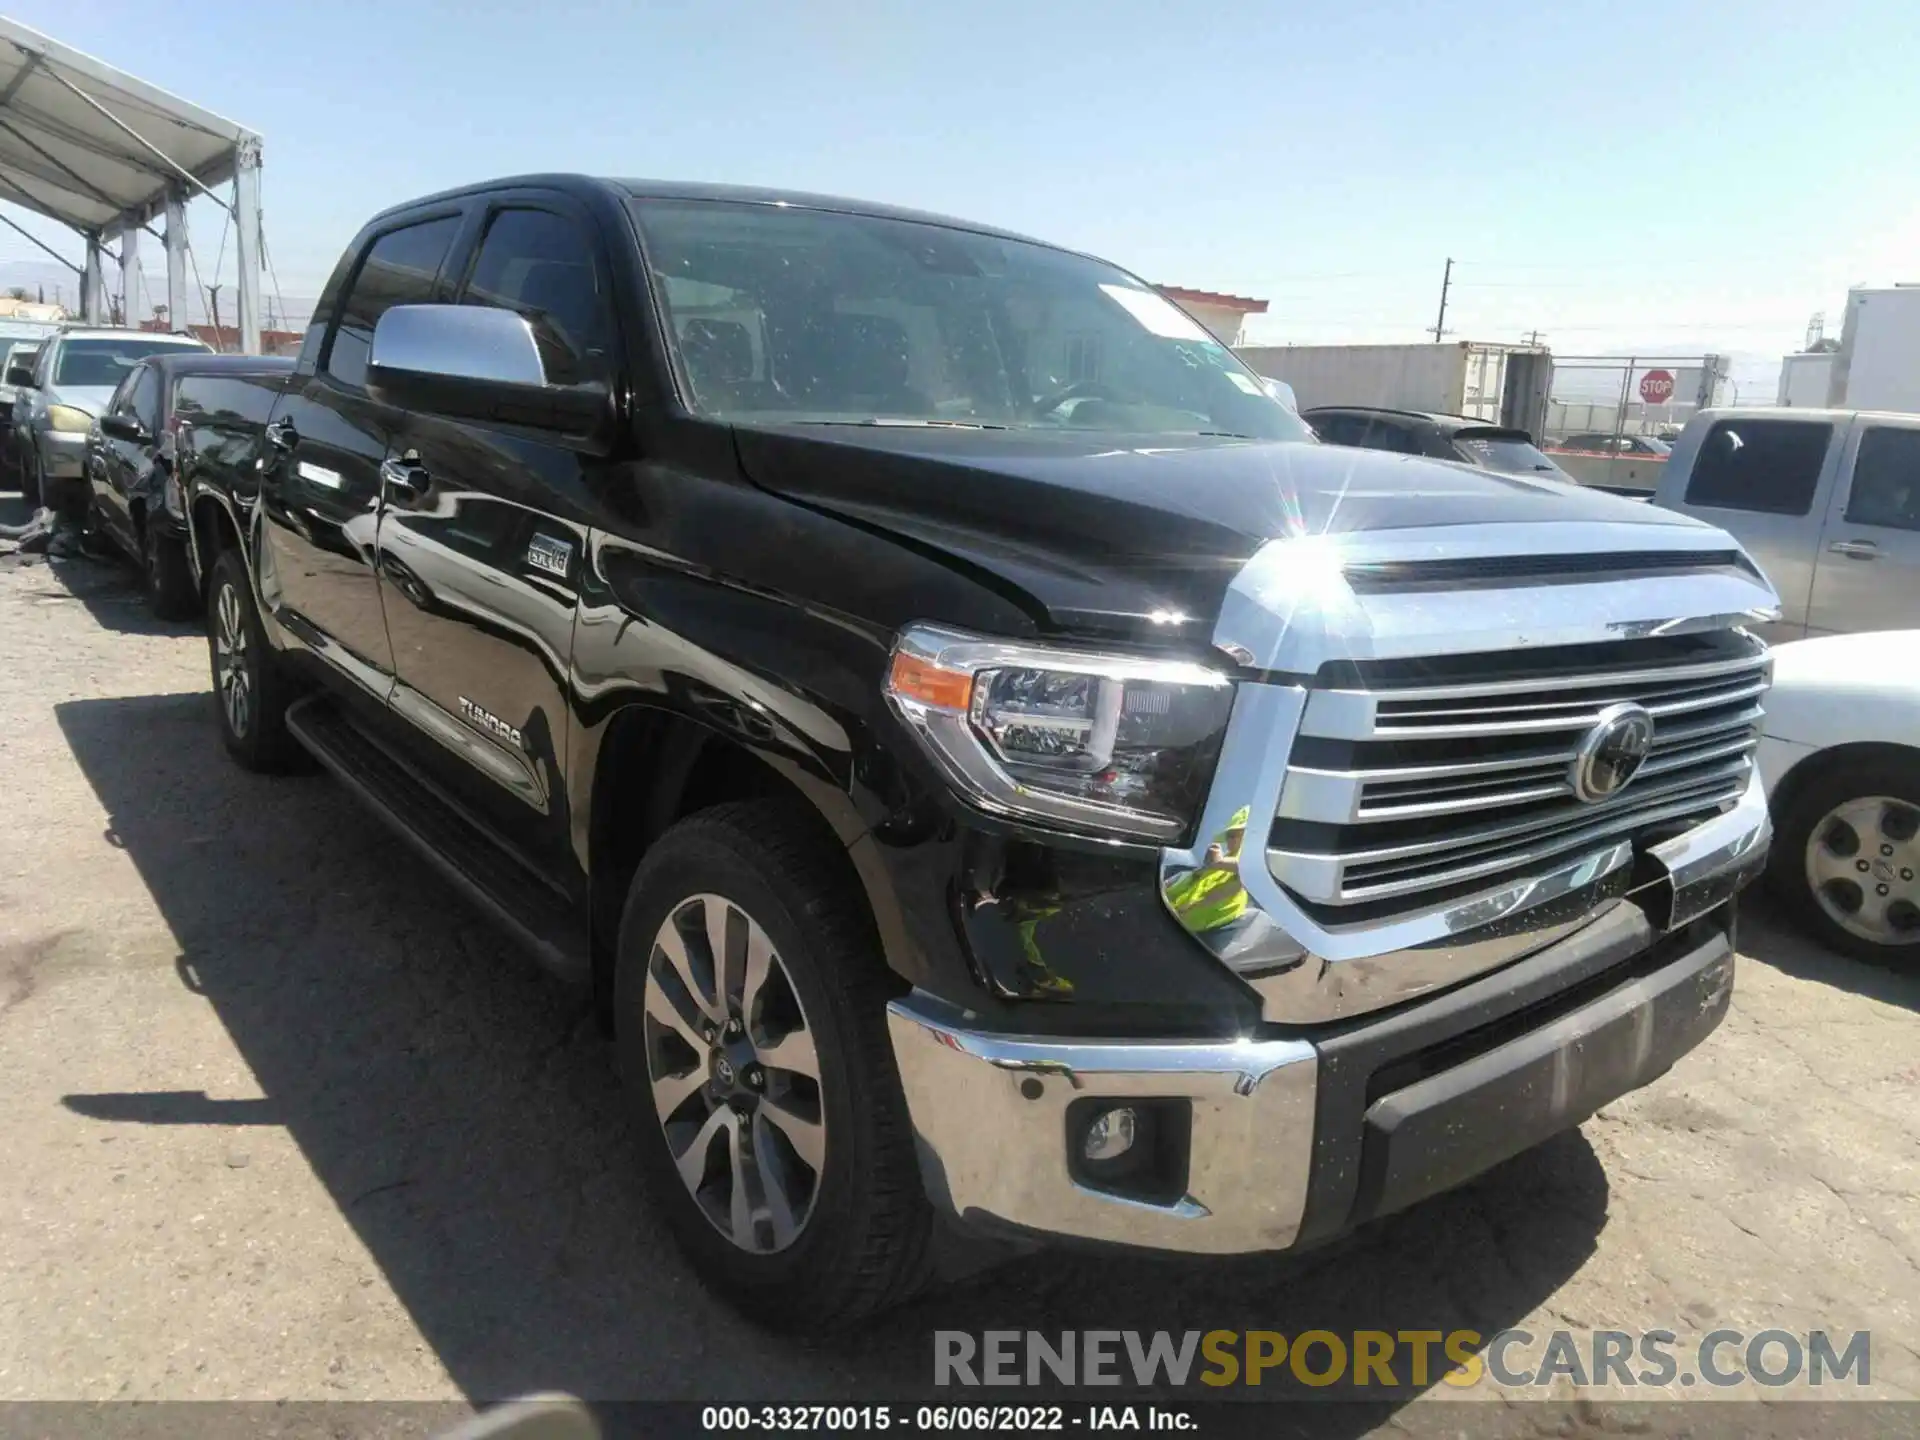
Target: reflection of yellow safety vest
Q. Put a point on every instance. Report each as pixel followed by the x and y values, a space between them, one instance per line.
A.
pixel 1208 899
pixel 1212 896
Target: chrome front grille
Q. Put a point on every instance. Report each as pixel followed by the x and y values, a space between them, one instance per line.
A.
pixel 1414 783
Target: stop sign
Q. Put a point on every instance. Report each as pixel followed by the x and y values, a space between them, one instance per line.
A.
pixel 1656 387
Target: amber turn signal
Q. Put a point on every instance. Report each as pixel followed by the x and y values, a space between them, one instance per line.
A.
pixel 915 679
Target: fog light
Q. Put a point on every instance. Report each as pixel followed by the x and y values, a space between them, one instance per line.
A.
pixel 1110 1135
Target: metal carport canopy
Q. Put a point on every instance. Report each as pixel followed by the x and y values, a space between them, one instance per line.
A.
pixel 105 154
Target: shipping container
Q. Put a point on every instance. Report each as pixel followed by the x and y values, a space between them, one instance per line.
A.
pixel 1500 384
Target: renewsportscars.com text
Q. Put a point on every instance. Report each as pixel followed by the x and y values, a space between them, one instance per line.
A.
pixel 1383 1359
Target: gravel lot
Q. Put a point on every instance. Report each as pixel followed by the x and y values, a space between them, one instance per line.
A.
pixel 282 1119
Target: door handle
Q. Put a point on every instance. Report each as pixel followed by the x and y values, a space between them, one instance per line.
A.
pixel 1856 549
pixel 282 436
pixel 406 476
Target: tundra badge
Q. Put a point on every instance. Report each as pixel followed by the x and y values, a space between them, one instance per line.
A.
pixel 491 723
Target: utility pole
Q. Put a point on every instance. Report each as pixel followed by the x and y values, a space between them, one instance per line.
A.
pixel 1446 282
pixel 213 299
pixel 1533 337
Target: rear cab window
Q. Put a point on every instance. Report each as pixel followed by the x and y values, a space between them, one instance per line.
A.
pixel 1886 479
pixel 1506 454
pixel 1771 467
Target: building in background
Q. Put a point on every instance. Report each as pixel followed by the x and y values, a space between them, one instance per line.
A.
pixel 1224 315
pixel 39 310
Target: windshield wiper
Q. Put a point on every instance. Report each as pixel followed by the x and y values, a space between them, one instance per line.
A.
pixel 885 421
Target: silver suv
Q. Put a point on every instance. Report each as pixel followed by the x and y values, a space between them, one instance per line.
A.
pixel 72 379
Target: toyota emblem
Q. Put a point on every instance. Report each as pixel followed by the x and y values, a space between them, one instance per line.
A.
pixel 1612 752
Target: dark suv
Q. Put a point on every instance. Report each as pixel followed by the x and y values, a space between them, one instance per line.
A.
pixel 132 462
pixel 1439 437
pixel 996 772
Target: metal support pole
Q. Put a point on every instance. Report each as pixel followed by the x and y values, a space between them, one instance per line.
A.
pixel 93 290
pixel 130 279
pixel 246 225
pixel 1446 283
pixel 176 260
pixel 36 240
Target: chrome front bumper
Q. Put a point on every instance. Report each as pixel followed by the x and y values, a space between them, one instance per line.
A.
pixel 990 1110
pixel 990 1119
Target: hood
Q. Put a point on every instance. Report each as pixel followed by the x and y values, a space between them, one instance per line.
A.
pixel 90 398
pixel 1104 531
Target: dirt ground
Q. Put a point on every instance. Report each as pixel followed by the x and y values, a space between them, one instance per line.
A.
pixel 282 1119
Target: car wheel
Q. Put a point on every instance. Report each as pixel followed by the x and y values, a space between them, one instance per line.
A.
pixel 1846 857
pixel 171 593
pixel 250 691
pixel 750 1019
pixel 32 486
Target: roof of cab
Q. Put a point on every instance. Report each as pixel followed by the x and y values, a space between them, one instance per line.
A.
pixel 122 332
pixel 700 190
pixel 202 362
pixel 1452 424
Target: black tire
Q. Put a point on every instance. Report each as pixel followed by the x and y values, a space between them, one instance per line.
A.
pixel 32 488
pixel 257 736
pixel 1811 799
pixel 864 1245
pixel 166 575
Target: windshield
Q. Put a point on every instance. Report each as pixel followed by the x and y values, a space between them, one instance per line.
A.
pixel 1508 456
pixel 824 317
pixel 105 363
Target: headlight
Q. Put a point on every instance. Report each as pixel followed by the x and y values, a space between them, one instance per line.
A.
pixel 1112 743
pixel 67 420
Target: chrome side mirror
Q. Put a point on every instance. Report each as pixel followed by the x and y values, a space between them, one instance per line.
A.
pixel 458 342
pixel 479 362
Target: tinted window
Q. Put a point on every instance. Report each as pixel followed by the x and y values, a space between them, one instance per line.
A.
pixel 1886 479
pixel 1384 435
pixel 225 399
pixel 541 265
pixel 829 318
pixel 144 401
pixel 1508 456
pixel 398 270
pixel 1766 465
pixel 103 364
pixel 1337 429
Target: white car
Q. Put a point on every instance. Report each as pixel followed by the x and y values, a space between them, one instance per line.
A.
pixel 1840 756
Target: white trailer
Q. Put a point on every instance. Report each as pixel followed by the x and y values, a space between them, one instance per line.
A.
pixel 1501 384
pixel 1804 379
pixel 1877 366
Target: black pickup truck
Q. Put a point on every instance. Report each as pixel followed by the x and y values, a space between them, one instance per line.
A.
pixel 999 775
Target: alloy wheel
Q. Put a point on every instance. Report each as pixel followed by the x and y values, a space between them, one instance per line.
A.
pixel 1862 862
pixel 230 669
pixel 734 1073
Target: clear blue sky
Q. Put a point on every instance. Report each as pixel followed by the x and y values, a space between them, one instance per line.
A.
pixel 1652 174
